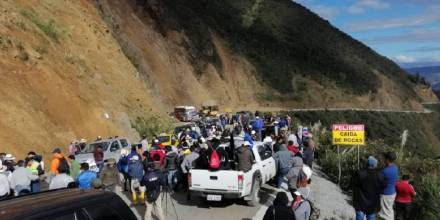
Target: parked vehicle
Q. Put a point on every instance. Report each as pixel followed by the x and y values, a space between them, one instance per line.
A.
pixel 111 147
pixel 166 139
pixel 66 204
pixel 183 126
pixel 210 108
pixel 186 113
pixel 233 184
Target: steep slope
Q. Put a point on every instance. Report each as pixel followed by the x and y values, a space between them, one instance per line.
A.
pixel 292 57
pixel 63 77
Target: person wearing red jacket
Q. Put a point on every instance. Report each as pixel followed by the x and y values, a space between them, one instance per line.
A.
pixel 404 197
pixel 292 148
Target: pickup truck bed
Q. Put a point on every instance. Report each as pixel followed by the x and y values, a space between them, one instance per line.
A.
pixel 232 184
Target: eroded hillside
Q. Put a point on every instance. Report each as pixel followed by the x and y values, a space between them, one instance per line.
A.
pixel 63 77
pixel 79 68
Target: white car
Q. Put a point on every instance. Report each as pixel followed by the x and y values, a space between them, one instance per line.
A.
pixel 232 184
pixel 111 147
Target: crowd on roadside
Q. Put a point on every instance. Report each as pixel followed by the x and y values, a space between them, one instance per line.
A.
pixel 149 167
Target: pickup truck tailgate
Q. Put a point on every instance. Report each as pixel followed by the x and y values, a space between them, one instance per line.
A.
pixel 216 180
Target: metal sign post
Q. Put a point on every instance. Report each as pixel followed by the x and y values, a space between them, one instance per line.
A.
pixel 339 167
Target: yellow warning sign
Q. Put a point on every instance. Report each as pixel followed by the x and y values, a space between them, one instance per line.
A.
pixel 345 134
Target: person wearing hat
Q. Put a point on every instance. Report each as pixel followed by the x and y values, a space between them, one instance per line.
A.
pixel 4 182
pixel 136 172
pixel 301 206
pixel 280 208
pixel 21 178
pixel 110 176
pixel 367 187
pixel 86 177
pixel 391 174
pixel 245 157
pixel 61 180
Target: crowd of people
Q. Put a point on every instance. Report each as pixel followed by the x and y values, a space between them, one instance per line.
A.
pixel 377 192
pixel 149 167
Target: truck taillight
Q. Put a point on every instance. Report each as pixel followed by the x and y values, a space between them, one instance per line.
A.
pixel 240 181
pixel 189 180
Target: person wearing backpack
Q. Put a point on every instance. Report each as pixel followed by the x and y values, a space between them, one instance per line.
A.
pixel 153 181
pixel 280 209
pixel 170 166
pixel 57 161
pixel 136 172
pixel 284 160
pixel 301 206
pixel 122 166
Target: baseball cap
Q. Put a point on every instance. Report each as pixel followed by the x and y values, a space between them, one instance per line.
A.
pixel 372 162
pixel 246 143
pixel 390 155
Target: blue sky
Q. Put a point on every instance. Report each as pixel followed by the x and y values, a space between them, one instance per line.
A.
pixel 407 31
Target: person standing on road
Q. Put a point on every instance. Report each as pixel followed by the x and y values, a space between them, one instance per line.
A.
pixel 405 194
pixel 170 166
pixel 258 127
pixel 309 151
pixel 34 162
pixel 280 209
pixel 153 181
pixel 4 182
pixel 57 157
pixel 189 162
pixel 110 177
pixel 75 167
pixel 283 160
pixel 86 177
pixel 144 142
pixel 98 155
pixel 21 178
pixel 292 175
pixel 245 157
pixel 301 205
pixel 390 173
pixel 122 166
pixel 367 186
pixel 136 172
pixel 61 180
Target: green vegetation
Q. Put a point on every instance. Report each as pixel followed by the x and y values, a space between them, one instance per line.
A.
pixel 49 27
pixel 282 39
pixel 151 126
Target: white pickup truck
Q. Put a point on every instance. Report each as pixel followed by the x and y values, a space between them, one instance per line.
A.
pixel 232 184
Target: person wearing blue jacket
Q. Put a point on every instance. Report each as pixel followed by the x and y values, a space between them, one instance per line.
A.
pixel 136 172
pixel 86 177
pixel 248 137
pixel 390 174
pixel 122 166
pixel 258 127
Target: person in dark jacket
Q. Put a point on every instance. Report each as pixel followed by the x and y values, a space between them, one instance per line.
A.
pixel 280 210
pixel 170 166
pixel 309 152
pixel 98 155
pixel 367 187
pixel 284 160
pixel 136 172
pixel 245 157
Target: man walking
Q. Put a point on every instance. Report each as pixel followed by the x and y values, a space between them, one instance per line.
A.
pixel 390 173
pixel 367 186
pixel 153 181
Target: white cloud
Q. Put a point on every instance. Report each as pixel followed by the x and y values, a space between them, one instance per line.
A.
pixel 405 59
pixel 426 17
pixel 436 58
pixel 326 12
pixel 362 5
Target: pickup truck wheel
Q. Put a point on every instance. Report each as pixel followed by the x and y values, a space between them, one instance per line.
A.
pixel 255 199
